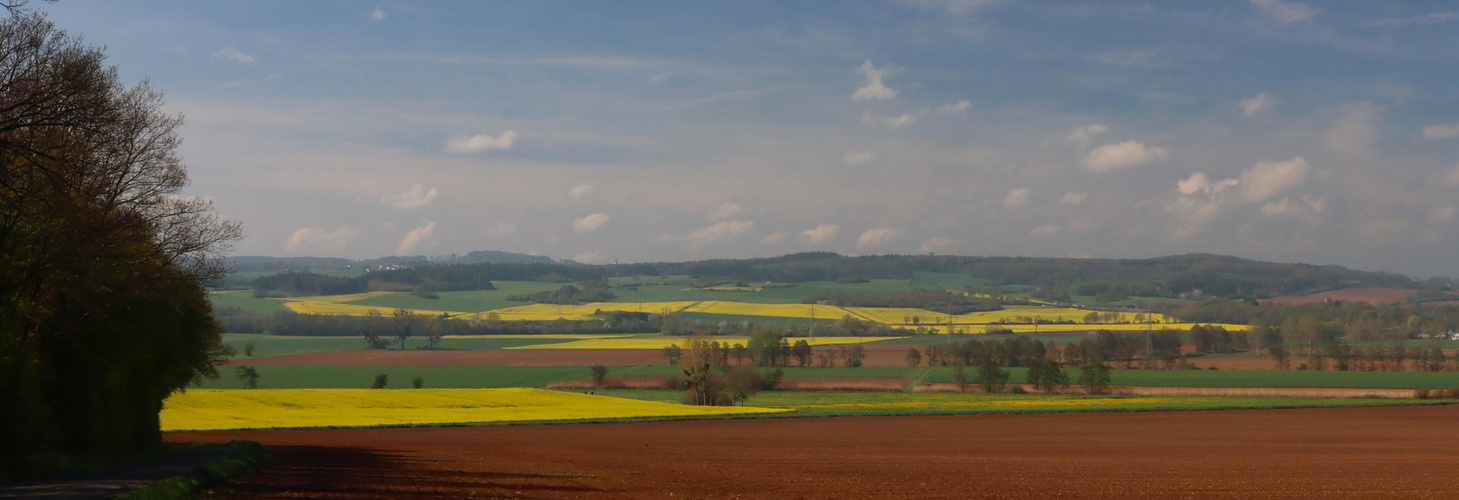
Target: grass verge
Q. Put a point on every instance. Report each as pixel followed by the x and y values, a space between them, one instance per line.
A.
pixel 211 476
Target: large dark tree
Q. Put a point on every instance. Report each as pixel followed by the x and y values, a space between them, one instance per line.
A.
pixel 102 263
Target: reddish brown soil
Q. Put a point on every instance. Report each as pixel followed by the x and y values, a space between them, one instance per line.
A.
pixel 1137 390
pixel 485 357
pixel 1309 453
pixel 787 384
pixel 1369 295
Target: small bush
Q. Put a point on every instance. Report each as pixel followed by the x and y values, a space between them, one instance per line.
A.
pixel 1018 389
pixel 674 383
pixel 1421 394
pixel 379 383
pixel 1454 393
pixel 1302 366
pixel 600 375
pixel 248 349
pixel 418 382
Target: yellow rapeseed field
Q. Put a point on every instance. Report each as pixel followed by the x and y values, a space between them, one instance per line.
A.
pixel 207 410
pixel 346 298
pixel 659 342
pixel 582 312
pixel 774 310
pixel 318 307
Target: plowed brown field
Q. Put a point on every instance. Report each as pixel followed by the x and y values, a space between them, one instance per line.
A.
pixel 1311 453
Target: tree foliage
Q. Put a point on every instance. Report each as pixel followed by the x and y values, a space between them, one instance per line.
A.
pixel 102 262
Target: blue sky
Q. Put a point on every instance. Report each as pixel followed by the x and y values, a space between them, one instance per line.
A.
pixel 1319 132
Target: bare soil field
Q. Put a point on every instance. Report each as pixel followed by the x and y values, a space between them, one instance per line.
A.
pixel 485 357
pixel 786 384
pixel 1309 453
pixel 1137 390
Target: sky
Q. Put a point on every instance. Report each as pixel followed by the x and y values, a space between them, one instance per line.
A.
pixel 628 131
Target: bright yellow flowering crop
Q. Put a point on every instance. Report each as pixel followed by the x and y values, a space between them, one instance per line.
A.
pixel 317 307
pixel 659 342
pixel 775 310
pixel 206 410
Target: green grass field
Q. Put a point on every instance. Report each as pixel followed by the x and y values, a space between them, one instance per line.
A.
pixel 436 377
pixel 244 299
pixel 268 345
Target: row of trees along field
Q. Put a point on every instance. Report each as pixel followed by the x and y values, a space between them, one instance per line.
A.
pixel 1312 324
pixel 1056 278
pixel 102 264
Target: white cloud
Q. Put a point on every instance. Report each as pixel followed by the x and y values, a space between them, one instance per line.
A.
pixel 502 228
pixel 718 231
pixel 1123 155
pixel 1453 178
pixel 314 238
pixel 416 196
pixel 1074 198
pixel 592 257
pixel 1283 11
pixel 820 234
pixel 726 210
pixel 659 78
pixel 415 237
pixel 1017 198
pixel 1433 132
pixel 936 244
pixel 1083 136
pixel 1269 178
pixel 1198 182
pixel 773 238
pixel 873 88
pixel 899 121
pixel 230 53
pixel 1353 133
pixel 580 191
pixel 952 108
pixel 377 14
pixel 480 142
pixel 1044 230
pixel 1307 208
pixel 872 238
pixel 1253 105
pixel 1442 215
pixel 951 6
pixel 590 223
pixel 858 157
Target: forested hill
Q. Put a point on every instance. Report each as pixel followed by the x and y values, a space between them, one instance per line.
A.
pixel 1163 276
pixel 288 264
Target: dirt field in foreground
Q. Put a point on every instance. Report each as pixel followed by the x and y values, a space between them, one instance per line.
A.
pixel 1311 453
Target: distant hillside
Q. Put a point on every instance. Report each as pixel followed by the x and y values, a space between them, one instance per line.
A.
pixel 247 264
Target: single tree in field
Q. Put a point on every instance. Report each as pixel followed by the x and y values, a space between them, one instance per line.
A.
pixel 914 358
pixel 600 375
pixel 370 327
pixel 1046 376
pixel 248 349
pixel 802 352
pixel 739 353
pixel 432 329
pixel 248 375
pixel 1095 378
pixel 404 324
pixel 854 355
pixel 695 363
pixel 991 377
pixel 741 382
pixel 671 353
pixel 1279 356
pixel 418 382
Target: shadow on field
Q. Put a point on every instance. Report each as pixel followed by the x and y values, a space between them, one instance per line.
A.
pixel 348 473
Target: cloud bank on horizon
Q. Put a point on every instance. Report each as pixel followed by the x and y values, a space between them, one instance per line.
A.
pixel 660 131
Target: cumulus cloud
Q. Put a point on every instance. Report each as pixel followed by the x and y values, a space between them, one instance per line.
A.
pixel 415 237
pixel 502 228
pixel 1083 136
pixel 773 238
pixel 858 157
pixel 719 231
pixel 377 14
pixel 1283 11
pixel 1017 198
pixel 416 196
pixel 1434 132
pixel 1198 183
pixel 1074 198
pixel 1442 215
pixel 954 108
pixel 1306 208
pixel 1253 105
pixel 230 53
pixel 726 210
pixel 580 191
pixel 591 257
pixel 1269 178
pixel 589 223
pixel 480 142
pixel 314 238
pixel 900 121
pixel 872 238
pixel 872 87
pixel 820 234
pixel 1044 230
pixel 1123 155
